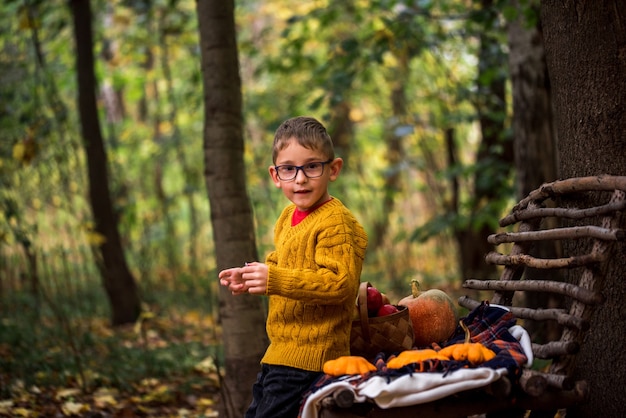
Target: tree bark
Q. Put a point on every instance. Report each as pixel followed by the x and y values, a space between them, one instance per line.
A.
pixel 118 281
pixel 585 43
pixel 242 319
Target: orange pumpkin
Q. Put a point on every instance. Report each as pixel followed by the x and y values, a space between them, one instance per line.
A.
pixel 348 365
pixel 432 313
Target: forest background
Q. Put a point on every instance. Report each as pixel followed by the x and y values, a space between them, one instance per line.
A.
pixel 418 97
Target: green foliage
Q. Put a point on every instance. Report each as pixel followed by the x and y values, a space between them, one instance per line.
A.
pixel 305 58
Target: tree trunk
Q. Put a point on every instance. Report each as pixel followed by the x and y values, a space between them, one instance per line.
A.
pixel 585 43
pixel 394 152
pixel 118 281
pixel 188 173
pixel 495 153
pixel 534 144
pixel 242 319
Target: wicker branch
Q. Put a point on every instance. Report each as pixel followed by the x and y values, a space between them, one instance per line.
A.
pixel 539 263
pixel 533 384
pixel 568 213
pixel 584 295
pixel 515 272
pixel 558 381
pixel 577 184
pixel 558 315
pixel 574 232
pixel 555 348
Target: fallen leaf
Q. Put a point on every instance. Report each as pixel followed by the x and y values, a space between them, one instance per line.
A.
pixel 66 393
pixel 5 406
pixel 21 412
pixel 74 408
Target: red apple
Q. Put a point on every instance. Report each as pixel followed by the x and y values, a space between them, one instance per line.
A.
pixel 386 300
pixel 374 300
pixel 386 309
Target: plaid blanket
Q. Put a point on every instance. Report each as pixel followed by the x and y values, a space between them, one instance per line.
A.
pixel 489 325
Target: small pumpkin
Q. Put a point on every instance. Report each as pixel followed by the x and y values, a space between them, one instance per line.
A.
pixel 348 365
pixel 414 356
pixel 475 353
pixel 432 313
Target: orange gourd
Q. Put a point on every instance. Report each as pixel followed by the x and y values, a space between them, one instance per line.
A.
pixel 475 353
pixel 348 365
pixel 432 313
pixel 414 356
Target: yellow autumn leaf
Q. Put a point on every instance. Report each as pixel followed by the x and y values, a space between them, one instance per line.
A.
pixel 206 366
pixel 204 402
pixel 104 391
pixel 102 401
pixel 21 412
pixel 211 413
pixel 5 406
pixel 149 381
pixel 19 150
pixel 192 317
pixel 74 408
pixel 67 393
pixel 161 394
pixel 94 238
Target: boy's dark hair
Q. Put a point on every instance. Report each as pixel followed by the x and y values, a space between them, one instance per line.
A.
pixel 309 133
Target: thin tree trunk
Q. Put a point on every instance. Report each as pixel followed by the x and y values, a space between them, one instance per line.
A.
pixel 117 279
pixel 534 144
pixel 242 318
pixel 394 150
pixel 172 117
pixel 495 153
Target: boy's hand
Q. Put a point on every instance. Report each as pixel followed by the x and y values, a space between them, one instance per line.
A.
pixel 255 277
pixel 251 278
pixel 233 279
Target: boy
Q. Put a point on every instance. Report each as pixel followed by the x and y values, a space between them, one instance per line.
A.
pixel 312 276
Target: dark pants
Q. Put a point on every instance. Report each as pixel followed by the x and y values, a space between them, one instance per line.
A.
pixel 278 391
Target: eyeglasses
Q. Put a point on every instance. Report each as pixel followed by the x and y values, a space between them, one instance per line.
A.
pixel 311 170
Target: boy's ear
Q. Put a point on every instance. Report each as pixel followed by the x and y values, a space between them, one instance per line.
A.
pixel 274 176
pixel 335 168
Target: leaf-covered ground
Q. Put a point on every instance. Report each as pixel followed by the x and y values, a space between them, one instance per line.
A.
pixel 162 366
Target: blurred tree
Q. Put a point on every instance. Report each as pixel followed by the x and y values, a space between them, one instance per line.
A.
pixel 117 279
pixel 494 158
pixel 242 318
pixel 534 135
pixel 584 43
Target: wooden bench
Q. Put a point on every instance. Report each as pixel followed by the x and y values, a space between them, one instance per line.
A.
pixel 560 212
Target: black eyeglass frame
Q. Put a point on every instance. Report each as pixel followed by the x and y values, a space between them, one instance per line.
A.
pixel 301 168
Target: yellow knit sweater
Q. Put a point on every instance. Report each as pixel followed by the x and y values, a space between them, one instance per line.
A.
pixel 314 275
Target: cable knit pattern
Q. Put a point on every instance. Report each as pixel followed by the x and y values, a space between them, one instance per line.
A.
pixel 313 281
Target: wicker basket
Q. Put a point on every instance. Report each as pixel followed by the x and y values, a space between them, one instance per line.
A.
pixel 388 334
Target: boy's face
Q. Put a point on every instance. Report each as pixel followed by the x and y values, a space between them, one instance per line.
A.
pixel 303 191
